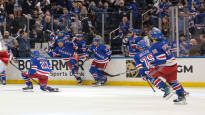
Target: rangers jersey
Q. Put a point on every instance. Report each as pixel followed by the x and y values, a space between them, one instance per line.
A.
pixel 142 60
pixel 132 45
pixel 162 53
pixel 101 53
pixel 40 65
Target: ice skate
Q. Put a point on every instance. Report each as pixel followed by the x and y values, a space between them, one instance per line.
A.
pixel 28 88
pixel 3 82
pixel 80 82
pixel 167 93
pixel 96 84
pixel 104 82
pixel 181 100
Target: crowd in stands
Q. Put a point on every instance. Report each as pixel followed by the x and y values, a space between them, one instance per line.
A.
pixel 25 23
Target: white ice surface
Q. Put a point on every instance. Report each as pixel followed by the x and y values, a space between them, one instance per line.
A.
pixel 87 100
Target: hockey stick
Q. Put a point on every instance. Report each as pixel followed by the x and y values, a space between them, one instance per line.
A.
pixel 22 71
pixel 111 75
pixel 148 81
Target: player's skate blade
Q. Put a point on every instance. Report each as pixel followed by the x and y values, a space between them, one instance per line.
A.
pixel 3 82
pixel 53 90
pixel 96 84
pixel 28 88
pixel 180 101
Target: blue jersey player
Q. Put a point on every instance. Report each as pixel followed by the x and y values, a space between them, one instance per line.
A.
pixel 143 59
pixel 102 56
pixel 40 68
pixel 132 41
pixel 67 50
pixel 81 44
pixel 166 65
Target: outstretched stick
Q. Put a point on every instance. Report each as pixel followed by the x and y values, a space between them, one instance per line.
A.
pixel 110 75
pixel 22 71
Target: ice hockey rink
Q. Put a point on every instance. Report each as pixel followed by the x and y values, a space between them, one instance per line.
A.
pixel 88 100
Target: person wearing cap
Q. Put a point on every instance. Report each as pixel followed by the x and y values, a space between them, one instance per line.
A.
pixel 67 50
pixel 101 57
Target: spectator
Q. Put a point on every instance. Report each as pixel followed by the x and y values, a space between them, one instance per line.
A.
pixel 9 6
pixel 18 8
pixel 76 26
pixel 125 25
pixel 76 9
pixel 121 11
pixel 181 22
pixel 184 46
pixel 12 24
pixel 202 45
pixel 24 45
pixel 132 7
pixel 12 43
pixel 83 11
pixel 99 10
pixel 195 49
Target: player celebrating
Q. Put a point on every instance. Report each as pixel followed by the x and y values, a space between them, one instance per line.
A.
pixel 81 44
pixel 166 65
pixel 66 50
pixel 40 68
pixel 143 59
pixel 4 59
pixel 102 56
pixel 133 41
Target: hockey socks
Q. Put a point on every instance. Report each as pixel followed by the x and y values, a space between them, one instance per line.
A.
pixel 158 83
pixel 3 77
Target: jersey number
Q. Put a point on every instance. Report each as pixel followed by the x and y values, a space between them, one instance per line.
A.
pixel 44 64
pixel 147 59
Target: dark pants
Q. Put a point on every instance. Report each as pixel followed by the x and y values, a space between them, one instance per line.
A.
pixel 25 54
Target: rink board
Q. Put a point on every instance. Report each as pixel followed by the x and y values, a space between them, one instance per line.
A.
pixel 190 72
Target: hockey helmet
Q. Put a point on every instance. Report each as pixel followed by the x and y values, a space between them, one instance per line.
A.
pixel 141 44
pixel 96 39
pixel 137 31
pixel 35 53
pixel 157 35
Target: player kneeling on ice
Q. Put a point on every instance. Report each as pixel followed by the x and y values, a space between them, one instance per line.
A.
pixel 102 56
pixel 143 59
pixel 40 68
pixel 4 60
pixel 165 65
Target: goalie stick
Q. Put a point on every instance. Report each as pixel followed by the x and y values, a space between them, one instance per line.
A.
pixel 54 89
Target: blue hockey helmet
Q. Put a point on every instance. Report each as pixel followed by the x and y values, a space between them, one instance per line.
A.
pixel 141 44
pixel 35 53
pixel 96 39
pixel 61 40
pixel 137 31
pixel 157 35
